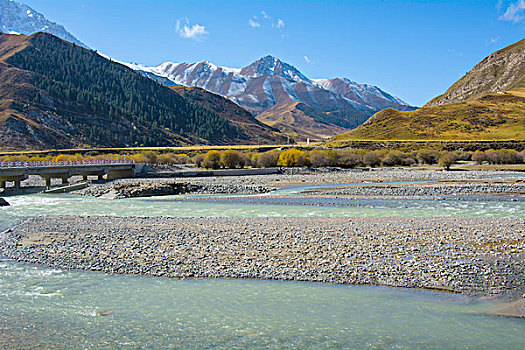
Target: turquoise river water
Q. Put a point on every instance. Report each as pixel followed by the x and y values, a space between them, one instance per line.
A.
pixel 48 308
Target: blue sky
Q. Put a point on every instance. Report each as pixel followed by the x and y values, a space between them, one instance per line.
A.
pixel 412 49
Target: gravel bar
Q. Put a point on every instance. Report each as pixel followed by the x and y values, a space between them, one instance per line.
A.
pixel 474 256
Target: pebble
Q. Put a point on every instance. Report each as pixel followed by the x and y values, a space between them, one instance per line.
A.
pixel 475 256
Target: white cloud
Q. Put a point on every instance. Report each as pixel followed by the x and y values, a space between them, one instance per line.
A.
pixel 265 20
pixel 253 23
pixel 515 12
pixel 307 59
pixel 187 31
pixel 494 40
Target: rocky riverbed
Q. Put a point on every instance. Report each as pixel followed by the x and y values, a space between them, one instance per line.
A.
pixel 441 183
pixel 475 256
pixel 430 190
pixel 124 188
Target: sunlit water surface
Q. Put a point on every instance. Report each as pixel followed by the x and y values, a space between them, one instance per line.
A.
pixel 60 309
pixel 240 206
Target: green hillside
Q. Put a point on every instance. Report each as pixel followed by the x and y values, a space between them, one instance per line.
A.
pixel 56 94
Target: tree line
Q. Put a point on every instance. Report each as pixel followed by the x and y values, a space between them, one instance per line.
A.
pixel 317 158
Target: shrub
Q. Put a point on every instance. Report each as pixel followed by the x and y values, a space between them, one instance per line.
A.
pixel 332 157
pixel 293 157
pixel 492 157
pixel 319 159
pixel 167 159
pixel 182 159
pixel 150 157
pixel 348 159
pixel 427 156
pixel 479 157
pixel 393 158
pixel 230 159
pixel 212 160
pixel 371 159
pixel 245 160
pixel 408 161
pixel 447 159
pixel 198 160
pixel 268 159
pixel 509 156
pixel 59 158
pixel 464 156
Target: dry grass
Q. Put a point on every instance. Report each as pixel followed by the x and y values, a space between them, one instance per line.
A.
pixel 489 117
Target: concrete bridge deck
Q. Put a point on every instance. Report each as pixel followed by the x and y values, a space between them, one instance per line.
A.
pixel 17 172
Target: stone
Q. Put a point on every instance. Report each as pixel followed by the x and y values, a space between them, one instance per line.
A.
pixel 3 203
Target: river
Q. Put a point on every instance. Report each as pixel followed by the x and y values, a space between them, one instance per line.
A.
pixel 50 308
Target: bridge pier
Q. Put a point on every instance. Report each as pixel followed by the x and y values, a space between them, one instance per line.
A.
pixel 16 180
pixel 18 171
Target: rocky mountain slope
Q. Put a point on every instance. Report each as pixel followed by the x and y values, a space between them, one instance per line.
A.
pixel 54 94
pixel 500 71
pixel 488 103
pixel 271 89
pixel 18 18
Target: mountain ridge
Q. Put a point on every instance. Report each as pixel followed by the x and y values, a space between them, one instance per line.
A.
pixel 267 84
pixel 54 94
pixel 500 71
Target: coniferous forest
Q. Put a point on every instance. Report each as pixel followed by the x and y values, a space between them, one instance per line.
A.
pixel 107 103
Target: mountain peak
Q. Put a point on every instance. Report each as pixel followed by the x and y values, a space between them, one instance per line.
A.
pixel 18 18
pixel 270 65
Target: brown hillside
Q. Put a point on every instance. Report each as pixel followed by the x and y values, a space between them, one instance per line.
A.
pixel 290 119
pixel 501 71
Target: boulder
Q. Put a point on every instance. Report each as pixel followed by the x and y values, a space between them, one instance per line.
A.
pixel 3 203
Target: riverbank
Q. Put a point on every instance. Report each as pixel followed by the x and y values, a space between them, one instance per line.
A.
pixel 473 256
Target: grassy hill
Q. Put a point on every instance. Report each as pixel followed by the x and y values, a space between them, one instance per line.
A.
pixel 489 117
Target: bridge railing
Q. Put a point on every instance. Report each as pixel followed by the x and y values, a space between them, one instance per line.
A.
pixel 64 163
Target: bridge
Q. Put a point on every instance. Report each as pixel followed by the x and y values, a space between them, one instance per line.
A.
pixel 17 172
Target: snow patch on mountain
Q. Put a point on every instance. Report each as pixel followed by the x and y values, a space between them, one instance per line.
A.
pixel 269 81
pixel 18 18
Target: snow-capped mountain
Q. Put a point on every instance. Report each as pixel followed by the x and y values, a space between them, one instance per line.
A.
pixel 18 18
pixel 363 93
pixel 269 81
